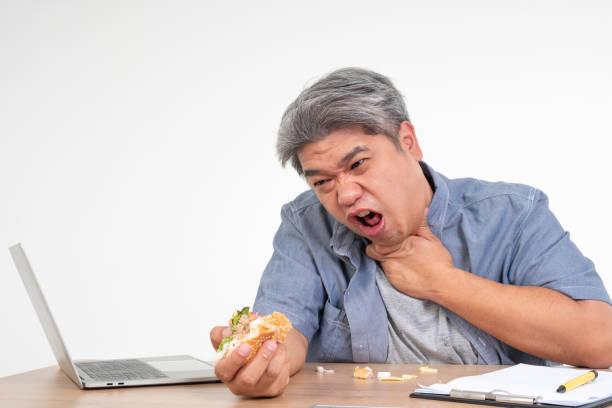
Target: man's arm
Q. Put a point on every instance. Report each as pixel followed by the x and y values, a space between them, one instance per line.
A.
pixel 267 374
pixel 536 320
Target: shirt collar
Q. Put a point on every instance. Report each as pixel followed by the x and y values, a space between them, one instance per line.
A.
pixel 439 203
pixel 342 238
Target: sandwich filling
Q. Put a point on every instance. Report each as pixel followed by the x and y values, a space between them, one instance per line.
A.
pixel 240 324
pixel 253 329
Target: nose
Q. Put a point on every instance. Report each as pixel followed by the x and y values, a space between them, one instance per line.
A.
pixel 348 193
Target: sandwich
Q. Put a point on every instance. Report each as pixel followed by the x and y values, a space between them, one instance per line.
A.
pixel 255 330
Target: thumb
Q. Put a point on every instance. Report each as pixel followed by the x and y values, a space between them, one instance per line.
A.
pixel 423 230
pixel 380 252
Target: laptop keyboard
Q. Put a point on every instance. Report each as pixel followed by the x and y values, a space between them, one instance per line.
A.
pixel 120 370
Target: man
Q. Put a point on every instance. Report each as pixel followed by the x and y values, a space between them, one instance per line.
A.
pixel 386 260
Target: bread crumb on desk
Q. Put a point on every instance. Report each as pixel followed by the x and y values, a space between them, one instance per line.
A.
pixel 363 373
pixel 392 379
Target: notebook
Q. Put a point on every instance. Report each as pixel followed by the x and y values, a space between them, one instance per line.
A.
pixel 524 384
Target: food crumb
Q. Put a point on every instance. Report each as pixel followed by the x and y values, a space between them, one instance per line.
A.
pixel 392 379
pixel 363 373
pixel 426 369
pixel 323 370
pixel 383 374
pixel 409 376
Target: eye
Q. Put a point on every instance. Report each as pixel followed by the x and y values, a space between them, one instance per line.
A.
pixel 319 183
pixel 357 164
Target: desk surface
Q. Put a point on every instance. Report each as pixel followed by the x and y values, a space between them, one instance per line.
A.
pixel 49 387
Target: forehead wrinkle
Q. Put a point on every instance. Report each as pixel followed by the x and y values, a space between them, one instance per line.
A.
pixel 356 150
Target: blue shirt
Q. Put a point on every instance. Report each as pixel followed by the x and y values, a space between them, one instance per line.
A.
pixel 320 277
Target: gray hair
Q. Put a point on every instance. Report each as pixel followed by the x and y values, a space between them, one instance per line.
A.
pixel 343 98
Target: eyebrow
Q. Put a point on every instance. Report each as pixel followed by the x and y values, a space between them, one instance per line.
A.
pixel 356 150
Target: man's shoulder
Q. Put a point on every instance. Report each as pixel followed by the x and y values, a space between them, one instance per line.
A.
pixel 469 192
pixel 304 200
pixel 306 211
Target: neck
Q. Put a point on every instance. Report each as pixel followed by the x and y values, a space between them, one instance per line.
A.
pixel 429 186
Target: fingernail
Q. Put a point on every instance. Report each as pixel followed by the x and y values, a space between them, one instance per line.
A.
pixel 271 345
pixel 226 332
pixel 244 350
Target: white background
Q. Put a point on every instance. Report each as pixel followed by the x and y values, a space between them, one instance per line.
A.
pixel 137 143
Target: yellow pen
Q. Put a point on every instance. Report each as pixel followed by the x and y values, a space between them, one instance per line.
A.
pixel 578 381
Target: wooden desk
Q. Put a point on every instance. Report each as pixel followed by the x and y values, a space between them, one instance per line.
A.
pixel 49 387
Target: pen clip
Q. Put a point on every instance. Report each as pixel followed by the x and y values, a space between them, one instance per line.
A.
pixel 495 395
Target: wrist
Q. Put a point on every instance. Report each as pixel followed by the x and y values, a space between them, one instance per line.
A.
pixel 446 283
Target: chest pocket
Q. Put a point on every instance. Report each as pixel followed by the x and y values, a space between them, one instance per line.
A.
pixel 335 330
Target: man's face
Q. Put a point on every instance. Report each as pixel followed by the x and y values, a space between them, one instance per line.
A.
pixel 367 184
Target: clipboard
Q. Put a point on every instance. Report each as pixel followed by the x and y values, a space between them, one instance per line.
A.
pixel 501 398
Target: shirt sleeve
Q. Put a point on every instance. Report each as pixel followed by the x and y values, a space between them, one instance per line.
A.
pixel 545 256
pixel 290 283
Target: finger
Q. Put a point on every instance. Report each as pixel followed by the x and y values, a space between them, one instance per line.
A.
pixel 279 362
pixel 276 377
pixel 218 334
pixel 267 387
pixel 279 384
pixel 228 366
pixel 379 252
pixel 253 372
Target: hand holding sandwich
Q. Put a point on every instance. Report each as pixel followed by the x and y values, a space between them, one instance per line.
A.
pixel 254 368
pixel 266 375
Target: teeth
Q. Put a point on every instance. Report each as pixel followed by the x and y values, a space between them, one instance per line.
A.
pixel 363 213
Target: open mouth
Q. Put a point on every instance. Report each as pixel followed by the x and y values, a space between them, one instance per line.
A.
pixel 369 218
pixel 371 223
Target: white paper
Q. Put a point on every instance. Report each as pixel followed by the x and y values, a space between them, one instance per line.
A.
pixel 180 365
pixel 538 381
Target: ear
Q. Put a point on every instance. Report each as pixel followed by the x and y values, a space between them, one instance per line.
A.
pixel 408 140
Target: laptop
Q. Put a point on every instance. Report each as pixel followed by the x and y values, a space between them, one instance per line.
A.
pixel 130 372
